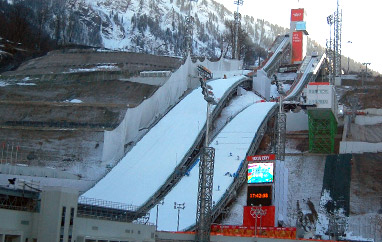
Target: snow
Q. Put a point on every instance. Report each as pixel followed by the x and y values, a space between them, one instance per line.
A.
pixel 3 84
pixel 104 67
pixel 25 84
pixel 73 101
pixel 235 138
pixel 160 150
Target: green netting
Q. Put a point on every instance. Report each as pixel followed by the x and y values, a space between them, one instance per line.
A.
pixel 337 179
pixel 322 131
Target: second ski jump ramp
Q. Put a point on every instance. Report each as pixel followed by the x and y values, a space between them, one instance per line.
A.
pixel 147 166
pixel 231 147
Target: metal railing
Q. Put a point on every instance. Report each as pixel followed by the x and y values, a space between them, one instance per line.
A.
pixel 108 210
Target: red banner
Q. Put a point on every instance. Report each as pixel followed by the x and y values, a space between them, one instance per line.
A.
pixel 318 83
pixel 297 15
pixel 253 213
pixel 261 157
pixel 297 40
pixel 250 231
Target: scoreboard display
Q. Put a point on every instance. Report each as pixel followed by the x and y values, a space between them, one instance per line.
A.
pixel 257 195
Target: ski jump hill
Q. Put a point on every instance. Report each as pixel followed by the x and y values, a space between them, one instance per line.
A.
pixel 163 165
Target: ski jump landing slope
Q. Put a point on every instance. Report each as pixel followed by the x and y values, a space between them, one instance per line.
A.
pixel 147 166
pixel 231 146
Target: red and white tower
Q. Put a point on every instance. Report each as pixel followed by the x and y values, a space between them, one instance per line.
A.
pixel 299 40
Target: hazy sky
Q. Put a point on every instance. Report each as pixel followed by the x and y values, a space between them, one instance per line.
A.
pixel 362 21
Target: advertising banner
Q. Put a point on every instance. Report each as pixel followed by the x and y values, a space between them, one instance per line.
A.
pixel 250 231
pixel 297 44
pixel 297 15
pixel 261 157
pixel 265 216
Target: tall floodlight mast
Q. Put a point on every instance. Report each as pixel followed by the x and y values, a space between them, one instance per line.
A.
pixel 206 174
pixel 237 17
pixel 337 41
pixel 333 47
pixel 189 30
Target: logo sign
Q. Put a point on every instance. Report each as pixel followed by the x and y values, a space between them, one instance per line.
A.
pixel 265 216
pixel 261 157
pixel 297 15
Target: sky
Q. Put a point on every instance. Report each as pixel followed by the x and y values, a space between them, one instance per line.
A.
pixel 361 20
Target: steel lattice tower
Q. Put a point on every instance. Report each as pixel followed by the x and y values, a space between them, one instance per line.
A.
pixel 206 173
pixel 189 30
pixel 204 207
pixel 237 17
pixel 337 41
pixel 333 45
pixel 281 129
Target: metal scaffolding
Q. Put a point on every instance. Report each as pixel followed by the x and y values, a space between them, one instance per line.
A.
pixel 322 131
pixel 204 207
pixel 281 130
pixel 206 171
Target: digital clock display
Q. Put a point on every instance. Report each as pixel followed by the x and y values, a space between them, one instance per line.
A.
pixel 259 195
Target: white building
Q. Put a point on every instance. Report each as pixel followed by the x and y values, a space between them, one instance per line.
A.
pixel 54 215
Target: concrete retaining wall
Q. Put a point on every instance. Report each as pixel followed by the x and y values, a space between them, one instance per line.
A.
pixel 355 147
pixel 368 120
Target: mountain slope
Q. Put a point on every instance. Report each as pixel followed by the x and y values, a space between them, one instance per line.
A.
pixel 150 26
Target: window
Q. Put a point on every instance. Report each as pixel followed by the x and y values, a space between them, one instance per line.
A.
pixel 71 216
pixel 63 216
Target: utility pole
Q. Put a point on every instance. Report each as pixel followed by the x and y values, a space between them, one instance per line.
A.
pixel 156 219
pixel 365 64
pixel 206 174
pixel 237 17
pixel 179 206
pixel 349 42
pixel 189 30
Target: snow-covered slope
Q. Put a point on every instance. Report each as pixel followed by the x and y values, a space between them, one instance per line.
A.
pixel 235 138
pixel 146 167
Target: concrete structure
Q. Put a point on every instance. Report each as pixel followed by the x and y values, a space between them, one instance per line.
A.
pixel 322 95
pixel 52 215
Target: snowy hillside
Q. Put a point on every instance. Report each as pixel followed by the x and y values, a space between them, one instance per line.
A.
pixel 149 26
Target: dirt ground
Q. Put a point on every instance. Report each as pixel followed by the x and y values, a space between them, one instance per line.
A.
pixel 367 96
pixel 56 108
pixel 366 185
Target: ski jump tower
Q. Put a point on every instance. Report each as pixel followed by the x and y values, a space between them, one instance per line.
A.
pixel 299 40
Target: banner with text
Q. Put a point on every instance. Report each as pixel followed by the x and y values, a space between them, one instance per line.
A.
pixel 261 157
pixel 250 231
